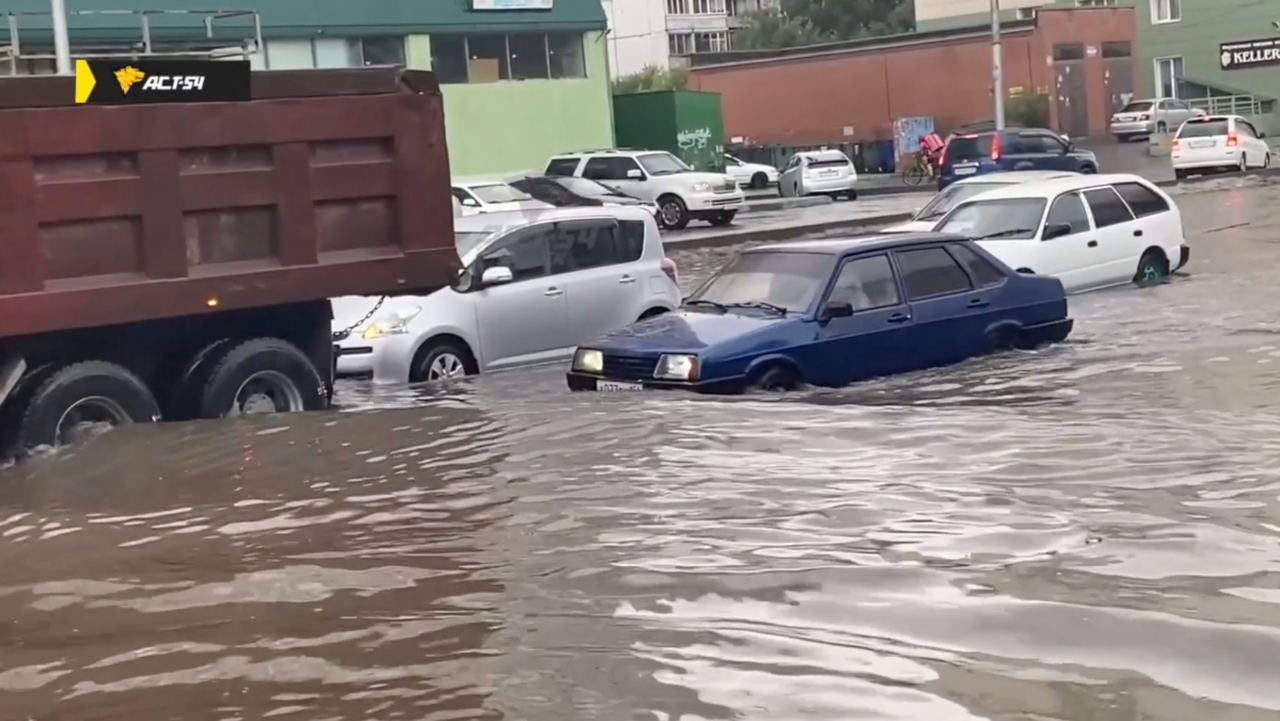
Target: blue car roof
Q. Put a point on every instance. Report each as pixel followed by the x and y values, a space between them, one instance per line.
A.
pixel 859 244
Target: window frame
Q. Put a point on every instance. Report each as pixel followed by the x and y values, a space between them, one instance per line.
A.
pixel 1084 195
pixel 1173 60
pixel 565 227
pixel 898 253
pixel 973 278
pixel 477 267
pixel 1088 216
pixel 898 287
pixel 1167 207
pixel 577 165
pixel 1168 5
pixel 612 159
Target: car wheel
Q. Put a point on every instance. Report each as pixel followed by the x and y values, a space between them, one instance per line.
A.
pixel 723 218
pixel 57 405
pixel 442 360
pixel 261 376
pixel 759 181
pixel 852 195
pixel 1153 268
pixel 777 379
pixel 673 213
pixel 1244 163
pixel 1179 174
pixel 1088 170
pixel 1266 162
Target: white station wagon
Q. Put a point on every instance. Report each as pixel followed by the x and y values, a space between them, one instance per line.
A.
pixel 1089 231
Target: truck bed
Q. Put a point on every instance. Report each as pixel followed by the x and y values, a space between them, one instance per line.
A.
pixel 327 183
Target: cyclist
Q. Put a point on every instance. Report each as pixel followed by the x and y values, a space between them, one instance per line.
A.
pixel 931 147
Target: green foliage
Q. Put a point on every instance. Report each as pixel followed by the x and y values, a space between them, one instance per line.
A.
pixel 1031 111
pixel 652 78
pixel 805 22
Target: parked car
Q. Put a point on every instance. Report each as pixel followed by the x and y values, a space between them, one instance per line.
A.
pixel 756 176
pixel 492 196
pixel 819 172
pixel 1088 231
pixel 682 194
pixel 927 217
pixel 829 313
pixel 1219 142
pixel 532 286
pixel 1142 118
pixel 1018 149
pixel 566 191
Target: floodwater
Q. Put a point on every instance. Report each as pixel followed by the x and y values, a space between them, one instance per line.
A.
pixel 1089 532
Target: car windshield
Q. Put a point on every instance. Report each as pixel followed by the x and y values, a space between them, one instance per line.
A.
pixel 953 196
pixel 662 164
pixel 498 193
pixel 1139 107
pixel 785 280
pixel 465 241
pixel 1013 219
pixel 969 147
pixel 1206 129
pixel 588 188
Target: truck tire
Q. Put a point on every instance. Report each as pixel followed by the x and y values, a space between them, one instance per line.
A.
pixel 183 401
pixel 258 376
pixel 62 398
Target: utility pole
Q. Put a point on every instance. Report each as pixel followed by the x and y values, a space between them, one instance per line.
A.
pixel 61 44
pixel 997 64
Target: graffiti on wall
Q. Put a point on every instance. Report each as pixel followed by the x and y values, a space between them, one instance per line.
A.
pixel 694 139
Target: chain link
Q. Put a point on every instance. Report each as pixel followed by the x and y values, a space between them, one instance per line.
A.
pixel 342 334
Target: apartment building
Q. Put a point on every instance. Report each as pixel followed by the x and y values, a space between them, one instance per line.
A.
pixel 947 14
pixel 653 32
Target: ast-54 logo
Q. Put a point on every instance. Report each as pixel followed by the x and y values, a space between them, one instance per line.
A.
pixel 168 81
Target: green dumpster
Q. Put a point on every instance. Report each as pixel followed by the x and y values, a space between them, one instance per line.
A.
pixel 688 123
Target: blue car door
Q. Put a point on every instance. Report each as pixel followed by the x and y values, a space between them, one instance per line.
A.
pixel 870 342
pixel 949 315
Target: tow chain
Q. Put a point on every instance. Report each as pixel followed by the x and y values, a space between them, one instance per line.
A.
pixel 342 334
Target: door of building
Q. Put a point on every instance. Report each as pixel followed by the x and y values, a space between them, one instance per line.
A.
pixel 1072 98
pixel 1117 74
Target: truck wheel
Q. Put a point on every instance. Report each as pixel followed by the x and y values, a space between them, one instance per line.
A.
pixel 183 401
pixel 258 376
pixel 56 407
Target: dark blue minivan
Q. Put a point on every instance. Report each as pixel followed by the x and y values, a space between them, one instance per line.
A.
pixel 973 154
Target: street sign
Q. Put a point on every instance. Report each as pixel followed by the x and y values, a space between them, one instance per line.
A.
pixel 1250 54
pixel 511 4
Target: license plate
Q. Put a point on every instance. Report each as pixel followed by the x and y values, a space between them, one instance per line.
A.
pixel 1201 144
pixel 965 169
pixel 617 387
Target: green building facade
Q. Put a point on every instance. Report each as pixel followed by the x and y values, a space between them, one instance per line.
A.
pixel 519 85
pixel 687 123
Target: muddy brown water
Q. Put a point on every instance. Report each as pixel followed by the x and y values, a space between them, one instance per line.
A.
pixel 1089 532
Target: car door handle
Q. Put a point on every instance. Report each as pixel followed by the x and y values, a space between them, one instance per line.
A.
pixel 899 318
pixel 1137 233
pixel 553 292
pixel 626 280
pixel 1093 244
pixel 979 303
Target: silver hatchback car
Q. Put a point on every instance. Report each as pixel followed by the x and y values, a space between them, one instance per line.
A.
pixel 533 285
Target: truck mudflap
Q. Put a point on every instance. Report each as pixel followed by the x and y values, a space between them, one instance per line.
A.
pixel 11 369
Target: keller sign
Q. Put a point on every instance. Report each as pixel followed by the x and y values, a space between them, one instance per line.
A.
pixel 1250 54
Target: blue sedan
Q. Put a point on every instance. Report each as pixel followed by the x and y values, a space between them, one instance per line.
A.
pixel 829 313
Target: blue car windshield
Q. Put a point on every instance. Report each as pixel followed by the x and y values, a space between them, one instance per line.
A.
pixel 1013 219
pixel 785 280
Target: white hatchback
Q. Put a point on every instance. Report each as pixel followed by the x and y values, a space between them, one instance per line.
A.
pixel 1089 231
pixel 927 217
pixel 1218 142
pixel 492 196
pixel 819 172
pixel 533 286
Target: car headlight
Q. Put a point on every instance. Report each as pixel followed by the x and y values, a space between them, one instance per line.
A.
pixel 677 368
pixel 395 322
pixel 701 187
pixel 587 360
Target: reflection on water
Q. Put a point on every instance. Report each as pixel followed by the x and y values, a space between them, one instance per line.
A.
pixel 1087 532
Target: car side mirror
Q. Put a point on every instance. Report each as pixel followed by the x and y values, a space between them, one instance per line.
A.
pixel 836 309
pixel 497 275
pixel 1057 230
pixel 470 203
pixel 635 174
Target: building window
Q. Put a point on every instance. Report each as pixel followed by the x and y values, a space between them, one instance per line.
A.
pixel 1096 3
pixel 491 57
pixel 1166 11
pixel 382 51
pixel 680 43
pixel 696 7
pixel 1117 49
pixel 713 42
pixel 1168 77
pixel 327 53
pixel 1026 13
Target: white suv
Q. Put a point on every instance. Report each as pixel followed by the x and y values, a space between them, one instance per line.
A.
pixel 534 285
pixel 682 194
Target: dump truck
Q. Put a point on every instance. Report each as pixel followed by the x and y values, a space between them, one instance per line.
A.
pixel 173 261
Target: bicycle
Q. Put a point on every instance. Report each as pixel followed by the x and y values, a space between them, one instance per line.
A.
pixel 919 170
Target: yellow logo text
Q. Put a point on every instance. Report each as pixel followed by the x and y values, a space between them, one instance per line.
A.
pixel 128 77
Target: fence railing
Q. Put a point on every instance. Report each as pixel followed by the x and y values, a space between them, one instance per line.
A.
pixel 1250 105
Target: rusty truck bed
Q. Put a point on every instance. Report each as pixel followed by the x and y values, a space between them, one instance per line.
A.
pixel 325 184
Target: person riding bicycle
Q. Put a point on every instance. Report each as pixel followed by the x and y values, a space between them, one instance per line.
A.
pixel 931 146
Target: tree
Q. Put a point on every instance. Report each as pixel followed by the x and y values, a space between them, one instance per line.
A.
pixel 805 22
pixel 652 78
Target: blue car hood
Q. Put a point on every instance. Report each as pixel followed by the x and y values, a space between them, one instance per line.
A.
pixel 685 332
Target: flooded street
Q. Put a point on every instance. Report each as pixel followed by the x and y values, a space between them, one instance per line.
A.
pixel 1089 532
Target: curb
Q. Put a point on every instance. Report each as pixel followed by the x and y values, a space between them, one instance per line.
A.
pixel 789 232
pixel 766 206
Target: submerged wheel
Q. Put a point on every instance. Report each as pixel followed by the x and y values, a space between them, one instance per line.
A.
pixel 441 361
pixel 61 403
pixel 1244 163
pixel 777 379
pixel 260 376
pixel 1152 268
pixel 183 401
